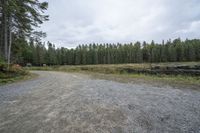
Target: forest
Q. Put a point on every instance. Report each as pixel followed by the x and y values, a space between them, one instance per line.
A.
pixel 21 44
pixel 38 53
pixel 19 19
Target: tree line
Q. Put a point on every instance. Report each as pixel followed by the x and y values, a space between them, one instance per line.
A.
pixel 20 43
pixel 38 53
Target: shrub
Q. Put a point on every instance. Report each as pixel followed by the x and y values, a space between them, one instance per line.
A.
pixel 16 68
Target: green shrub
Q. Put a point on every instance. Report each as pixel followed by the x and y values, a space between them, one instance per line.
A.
pixel 13 72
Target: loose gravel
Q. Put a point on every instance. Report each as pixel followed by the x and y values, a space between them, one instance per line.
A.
pixel 57 102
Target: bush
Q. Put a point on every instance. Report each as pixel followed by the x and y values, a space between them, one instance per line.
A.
pixel 14 71
pixel 17 69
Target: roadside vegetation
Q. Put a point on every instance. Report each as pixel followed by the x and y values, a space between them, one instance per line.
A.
pixel 177 72
pixel 18 20
pixel 15 73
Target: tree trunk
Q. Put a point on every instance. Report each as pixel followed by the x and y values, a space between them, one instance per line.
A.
pixel 5 34
pixel 10 41
pixel 1 29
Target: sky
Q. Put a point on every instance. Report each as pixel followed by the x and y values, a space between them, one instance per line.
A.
pixel 74 22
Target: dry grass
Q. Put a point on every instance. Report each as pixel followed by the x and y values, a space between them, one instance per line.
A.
pixel 120 70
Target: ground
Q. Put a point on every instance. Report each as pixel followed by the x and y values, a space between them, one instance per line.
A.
pixel 67 102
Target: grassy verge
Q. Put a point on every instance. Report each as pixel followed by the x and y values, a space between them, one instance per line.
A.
pixel 179 81
pixel 119 72
pixel 14 74
pixel 16 78
pixel 168 79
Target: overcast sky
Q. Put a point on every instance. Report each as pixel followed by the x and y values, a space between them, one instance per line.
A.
pixel 74 22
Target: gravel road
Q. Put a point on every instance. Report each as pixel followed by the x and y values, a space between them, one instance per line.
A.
pixel 57 102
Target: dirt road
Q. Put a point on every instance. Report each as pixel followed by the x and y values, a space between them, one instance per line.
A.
pixel 58 102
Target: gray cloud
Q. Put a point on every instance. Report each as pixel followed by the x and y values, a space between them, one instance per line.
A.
pixel 74 22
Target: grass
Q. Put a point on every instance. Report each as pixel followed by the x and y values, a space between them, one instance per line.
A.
pixel 178 79
pixel 16 78
pixel 114 66
pixel 15 74
pixel 119 71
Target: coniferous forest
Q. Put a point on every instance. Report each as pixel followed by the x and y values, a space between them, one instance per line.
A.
pixel 39 53
pixel 18 21
pixel 21 44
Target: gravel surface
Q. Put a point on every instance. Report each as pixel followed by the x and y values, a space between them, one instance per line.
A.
pixel 58 102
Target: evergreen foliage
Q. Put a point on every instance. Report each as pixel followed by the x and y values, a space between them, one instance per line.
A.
pixel 36 53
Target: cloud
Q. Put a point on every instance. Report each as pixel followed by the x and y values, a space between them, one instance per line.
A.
pixel 74 22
